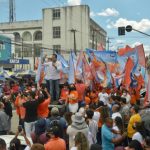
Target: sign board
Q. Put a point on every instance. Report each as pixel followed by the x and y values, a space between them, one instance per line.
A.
pixel 15 61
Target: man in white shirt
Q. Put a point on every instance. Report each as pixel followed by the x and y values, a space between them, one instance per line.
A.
pixel 116 113
pixel 103 96
pixel 54 76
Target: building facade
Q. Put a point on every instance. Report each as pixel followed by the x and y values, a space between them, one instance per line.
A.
pixel 61 29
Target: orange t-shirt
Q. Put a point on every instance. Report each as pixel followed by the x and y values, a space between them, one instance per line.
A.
pixel 64 94
pixel 87 100
pixel 55 144
pixel 19 109
pixel 74 99
pixel 43 110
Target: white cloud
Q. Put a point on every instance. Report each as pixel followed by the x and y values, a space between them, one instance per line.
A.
pixel 142 25
pixel 74 2
pixel 92 14
pixel 109 12
pixel 120 41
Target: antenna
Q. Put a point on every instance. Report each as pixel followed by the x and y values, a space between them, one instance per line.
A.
pixel 12 15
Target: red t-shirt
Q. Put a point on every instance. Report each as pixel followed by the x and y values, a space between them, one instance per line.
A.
pixel 64 94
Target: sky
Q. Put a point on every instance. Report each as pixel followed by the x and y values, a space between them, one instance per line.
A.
pixel 109 14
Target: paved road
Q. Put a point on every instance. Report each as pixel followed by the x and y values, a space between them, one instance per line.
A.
pixel 14 122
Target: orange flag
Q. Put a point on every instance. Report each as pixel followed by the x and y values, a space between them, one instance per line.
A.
pixel 123 51
pixel 128 69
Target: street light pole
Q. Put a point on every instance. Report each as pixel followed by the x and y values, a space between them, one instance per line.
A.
pixel 74 36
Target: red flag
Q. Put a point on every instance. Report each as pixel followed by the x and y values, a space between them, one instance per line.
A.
pixel 140 50
pixel 128 68
pixel 123 51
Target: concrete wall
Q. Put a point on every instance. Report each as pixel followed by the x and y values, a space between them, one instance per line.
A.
pixel 73 17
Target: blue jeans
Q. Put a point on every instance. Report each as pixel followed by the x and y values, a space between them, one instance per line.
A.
pixel 54 89
pixel 47 85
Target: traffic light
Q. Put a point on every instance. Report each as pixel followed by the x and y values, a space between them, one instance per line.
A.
pixel 121 30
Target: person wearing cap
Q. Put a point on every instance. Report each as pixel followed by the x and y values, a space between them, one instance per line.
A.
pixel 55 142
pixel 78 125
pixel 55 116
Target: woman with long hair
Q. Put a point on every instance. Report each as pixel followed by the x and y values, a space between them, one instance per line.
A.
pixel 140 134
pixel 81 142
pixel 118 125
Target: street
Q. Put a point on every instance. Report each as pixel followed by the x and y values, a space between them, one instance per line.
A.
pixel 14 122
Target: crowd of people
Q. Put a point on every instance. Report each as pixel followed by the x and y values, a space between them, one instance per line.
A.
pixel 74 116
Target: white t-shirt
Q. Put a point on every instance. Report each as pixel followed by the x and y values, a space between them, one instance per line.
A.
pixel 51 72
pixel 128 99
pixel 103 97
pixel 74 148
pixel 137 136
pixel 96 116
pixel 116 114
pixel 116 129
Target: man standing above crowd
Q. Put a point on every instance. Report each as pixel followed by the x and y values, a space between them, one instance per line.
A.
pixel 54 76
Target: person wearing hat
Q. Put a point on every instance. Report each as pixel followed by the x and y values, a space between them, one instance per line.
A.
pixel 55 117
pixel 78 125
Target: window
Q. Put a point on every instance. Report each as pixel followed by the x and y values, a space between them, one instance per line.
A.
pixel 56 14
pixel 38 36
pixel 57 48
pixel 17 37
pixel 27 36
pixel 56 32
pixel 27 50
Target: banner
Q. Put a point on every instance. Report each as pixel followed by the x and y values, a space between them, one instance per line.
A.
pixel 71 74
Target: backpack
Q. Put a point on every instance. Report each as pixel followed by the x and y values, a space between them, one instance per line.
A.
pixel 55 121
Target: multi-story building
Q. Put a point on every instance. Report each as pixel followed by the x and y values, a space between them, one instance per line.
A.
pixel 61 29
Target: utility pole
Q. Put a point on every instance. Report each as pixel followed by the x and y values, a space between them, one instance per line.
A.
pixel 12 14
pixel 93 37
pixel 74 36
pixel 108 41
